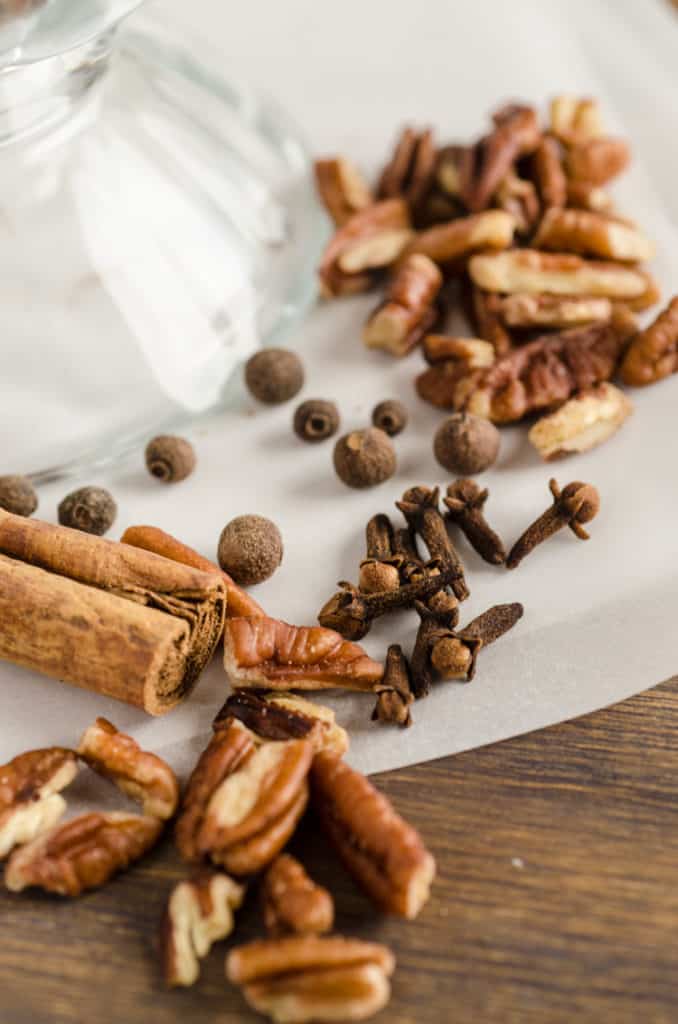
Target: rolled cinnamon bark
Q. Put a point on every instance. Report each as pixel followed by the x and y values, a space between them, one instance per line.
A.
pixel 150 538
pixel 110 618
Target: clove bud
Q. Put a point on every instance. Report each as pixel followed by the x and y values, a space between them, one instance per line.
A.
pixel 378 571
pixel 465 501
pixel 576 504
pixel 394 691
pixel 419 505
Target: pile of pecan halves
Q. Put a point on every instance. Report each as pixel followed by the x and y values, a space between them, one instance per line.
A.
pixel 269 757
pixel 517 229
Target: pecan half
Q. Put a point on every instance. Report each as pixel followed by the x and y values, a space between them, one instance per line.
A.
pixel 384 854
pixel 592 234
pixel 653 354
pixel 549 173
pixel 561 311
pixel 597 161
pixel 408 311
pixel 308 977
pixel 82 853
pixel 139 774
pixel 528 270
pixel 29 794
pixel 518 197
pixel 229 747
pixel 267 653
pixel 545 372
pixel 199 912
pixel 447 244
pixel 292 902
pixel 411 170
pixel 342 188
pixel 576 119
pixel 252 855
pixel 582 423
pixel 366 244
pixel 286 716
pixel 516 133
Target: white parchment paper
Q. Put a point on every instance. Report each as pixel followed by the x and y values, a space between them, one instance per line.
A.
pixel 600 618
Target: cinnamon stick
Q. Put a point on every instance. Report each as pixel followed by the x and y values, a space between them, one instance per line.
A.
pixel 105 616
pixel 150 538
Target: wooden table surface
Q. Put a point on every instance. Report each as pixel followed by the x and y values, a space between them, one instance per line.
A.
pixel 557 896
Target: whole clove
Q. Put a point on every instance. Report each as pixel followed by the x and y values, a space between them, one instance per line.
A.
pixel 412 567
pixel 395 690
pixel 442 651
pixel 419 505
pixel 378 571
pixel 465 501
pixel 576 504
pixel 351 612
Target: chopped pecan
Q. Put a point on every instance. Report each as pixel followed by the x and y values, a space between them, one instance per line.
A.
pixel 472 352
pixel 450 168
pixel 516 133
pixel 583 422
pixel 82 853
pixel 369 242
pixel 408 310
pixel 576 119
pixel 583 195
pixel 549 173
pixel 411 170
pixel 299 978
pixel 447 244
pixel 29 794
pixel 545 372
pixel 592 234
pixel 229 747
pixel 199 912
pixel 597 161
pixel 285 716
pixel 292 902
pixel 518 197
pixel 252 855
pixel 267 653
pixel 384 854
pixel 483 312
pixel 653 354
pixel 342 188
pixel 561 311
pixel 448 384
pixel 528 270
pixel 139 774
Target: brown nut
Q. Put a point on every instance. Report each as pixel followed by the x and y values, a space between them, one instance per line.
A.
pixel 369 242
pixel 199 912
pixel 342 188
pixel 411 170
pixel 454 364
pixel 270 654
pixel 516 133
pixel 29 794
pixel 528 270
pixel 597 161
pixel 483 312
pixel 285 716
pixel 383 853
pixel 559 311
pixel 653 354
pixel 592 234
pixel 292 902
pixel 539 375
pixel 447 244
pixel 304 978
pixel 408 310
pixel 139 774
pixel 584 195
pixel 576 119
pixel 252 855
pixel 518 197
pixel 585 421
pixel 549 174
pixel 82 853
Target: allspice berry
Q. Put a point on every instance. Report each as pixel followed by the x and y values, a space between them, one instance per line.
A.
pixel 364 458
pixel 466 444
pixel 390 416
pixel 274 375
pixel 250 549
pixel 17 495
pixel 90 509
pixel 169 458
pixel 315 420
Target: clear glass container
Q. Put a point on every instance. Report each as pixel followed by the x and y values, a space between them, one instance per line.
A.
pixel 157 223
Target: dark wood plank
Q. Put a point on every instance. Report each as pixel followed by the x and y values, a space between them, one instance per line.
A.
pixel 557 899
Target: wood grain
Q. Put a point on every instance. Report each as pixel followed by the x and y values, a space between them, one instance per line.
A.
pixel 557 899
